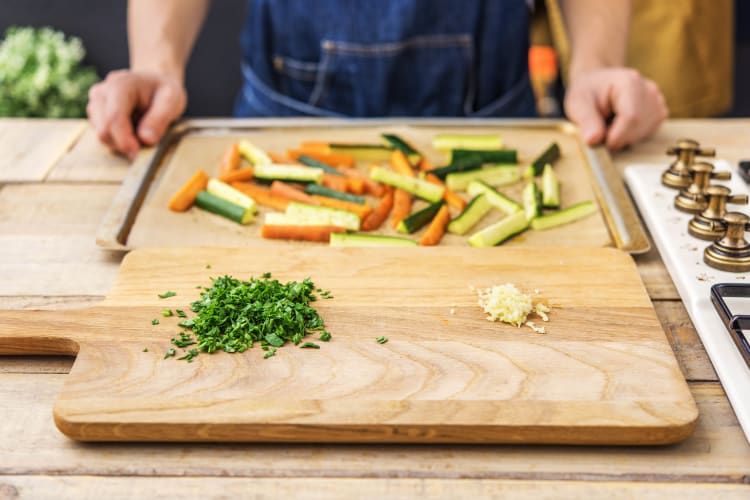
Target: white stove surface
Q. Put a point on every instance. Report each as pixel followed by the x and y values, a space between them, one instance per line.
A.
pixel 683 256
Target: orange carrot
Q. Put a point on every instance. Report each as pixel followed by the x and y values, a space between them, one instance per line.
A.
pixel 361 210
pixel 243 174
pixel 400 163
pixel 450 197
pixel 337 182
pixel 425 164
pixel 401 206
pixel 185 197
pixel 262 196
pixel 281 188
pixel 356 186
pixel 334 160
pixel 315 147
pixel 231 160
pixel 299 233
pixel 279 158
pixel 380 214
pixel 370 186
pixel 436 230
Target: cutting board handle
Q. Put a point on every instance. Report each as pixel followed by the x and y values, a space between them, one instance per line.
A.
pixel 38 332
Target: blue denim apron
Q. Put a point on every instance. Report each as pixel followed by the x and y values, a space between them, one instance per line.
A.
pixel 366 58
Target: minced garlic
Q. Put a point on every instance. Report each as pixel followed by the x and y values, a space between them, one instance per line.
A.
pixel 508 304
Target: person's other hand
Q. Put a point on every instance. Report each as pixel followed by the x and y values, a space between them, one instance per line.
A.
pixel 635 105
pixel 124 94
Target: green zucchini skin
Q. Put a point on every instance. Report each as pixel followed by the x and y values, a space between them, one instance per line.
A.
pixel 500 231
pixel 220 206
pixel 369 240
pixel 532 201
pixel 397 142
pixel 312 162
pixel 487 156
pixel 548 156
pixel 550 188
pixel 362 152
pixel 570 214
pixel 418 220
pixel 477 208
pixel 332 193
pixel 465 164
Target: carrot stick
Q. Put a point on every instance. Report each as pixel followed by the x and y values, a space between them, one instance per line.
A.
pixel 279 158
pixel 315 147
pixel 231 160
pixel 425 165
pixel 281 188
pixel 361 210
pixel 356 186
pixel 185 197
pixel 380 214
pixel 299 233
pixel 450 197
pixel 401 206
pixel 370 186
pixel 436 229
pixel 262 196
pixel 337 182
pixel 243 174
pixel 334 160
pixel 400 163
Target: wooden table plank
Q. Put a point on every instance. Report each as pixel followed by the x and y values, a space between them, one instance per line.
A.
pixel 346 488
pixel 89 161
pixel 47 240
pixel 30 147
pixel 30 445
pixel 694 362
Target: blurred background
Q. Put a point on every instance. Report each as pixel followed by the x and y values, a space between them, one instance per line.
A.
pixel 697 50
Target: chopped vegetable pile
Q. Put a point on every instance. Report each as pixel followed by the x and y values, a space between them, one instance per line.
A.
pixel 232 315
pixel 322 193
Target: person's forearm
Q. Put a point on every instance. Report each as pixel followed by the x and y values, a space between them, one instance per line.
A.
pixel 161 34
pixel 598 32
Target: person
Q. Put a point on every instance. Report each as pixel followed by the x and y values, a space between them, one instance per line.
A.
pixel 380 58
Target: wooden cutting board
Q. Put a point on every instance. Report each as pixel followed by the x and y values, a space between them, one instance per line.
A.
pixel 603 373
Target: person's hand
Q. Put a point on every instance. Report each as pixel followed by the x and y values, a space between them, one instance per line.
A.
pixel 123 95
pixel 635 105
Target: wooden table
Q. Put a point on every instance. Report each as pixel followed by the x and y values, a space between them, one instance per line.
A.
pixel 55 184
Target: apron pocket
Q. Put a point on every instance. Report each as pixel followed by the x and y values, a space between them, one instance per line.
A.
pixel 421 76
pixel 295 78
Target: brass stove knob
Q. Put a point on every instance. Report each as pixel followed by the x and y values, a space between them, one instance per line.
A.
pixel 692 199
pixel 709 224
pixel 678 174
pixel 731 252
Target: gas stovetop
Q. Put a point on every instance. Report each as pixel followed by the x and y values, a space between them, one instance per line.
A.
pixel 683 257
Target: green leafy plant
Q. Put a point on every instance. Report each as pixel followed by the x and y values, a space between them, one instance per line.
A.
pixel 41 74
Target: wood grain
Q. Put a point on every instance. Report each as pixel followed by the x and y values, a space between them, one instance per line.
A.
pixel 47 240
pixel 155 225
pixel 347 488
pixel 430 383
pixel 89 161
pixel 31 147
pixel 30 445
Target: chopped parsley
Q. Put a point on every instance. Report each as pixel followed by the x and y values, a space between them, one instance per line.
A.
pixel 166 295
pixel 190 355
pixel 185 340
pixel 325 336
pixel 180 313
pixel 310 345
pixel 232 314
pixel 154 321
pixel 170 352
pixel 271 352
pixel 381 340
pixel 166 313
pixel 145 349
